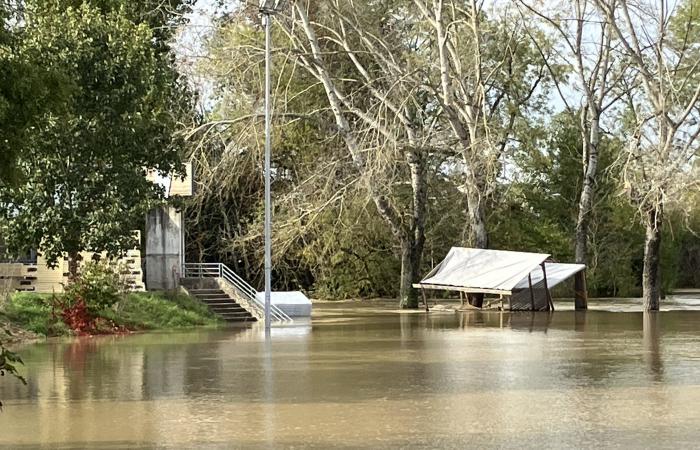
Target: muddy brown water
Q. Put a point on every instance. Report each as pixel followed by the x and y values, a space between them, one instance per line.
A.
pixel 367 376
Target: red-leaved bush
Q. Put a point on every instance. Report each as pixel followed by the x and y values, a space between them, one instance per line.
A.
pixel 77 318
pixel 95 289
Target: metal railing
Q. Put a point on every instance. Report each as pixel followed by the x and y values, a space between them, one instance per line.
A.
pixel 219 270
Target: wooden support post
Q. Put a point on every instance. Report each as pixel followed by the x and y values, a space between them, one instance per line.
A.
pixel 550 303
pixel 580 291
pixel 532 294
pixel 425 299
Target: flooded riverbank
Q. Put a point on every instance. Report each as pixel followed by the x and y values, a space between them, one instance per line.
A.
pixel 361 375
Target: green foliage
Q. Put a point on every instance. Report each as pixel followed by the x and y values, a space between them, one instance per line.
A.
pixel 109 307
pixel 9 361
pixel 225 223
pixel 83 184
pixel 34 312
pixel 133 311
pixel 28 91
pixel 98 284
pixel 150 311
pixel 541 205
pixel 350 255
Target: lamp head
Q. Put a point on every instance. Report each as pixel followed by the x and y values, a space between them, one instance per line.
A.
pixel 272 6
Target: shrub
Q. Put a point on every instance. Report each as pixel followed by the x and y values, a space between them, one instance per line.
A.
pixel 97 285
pixel 96 289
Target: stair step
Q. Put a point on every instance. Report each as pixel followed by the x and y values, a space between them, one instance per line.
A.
pixel 223 309
pixel 232 313
pixel 241 319
pixel 235 315
pixel 222 303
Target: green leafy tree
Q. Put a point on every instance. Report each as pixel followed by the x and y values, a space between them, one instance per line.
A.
pixel 83 184
pixel 28 91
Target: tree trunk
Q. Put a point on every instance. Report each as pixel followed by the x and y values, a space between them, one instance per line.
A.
pixel 651 279
pixel 585 206
pixel 412 245
pixel 580 291
pixel 478 235
pixel 408 296
pixel 73 260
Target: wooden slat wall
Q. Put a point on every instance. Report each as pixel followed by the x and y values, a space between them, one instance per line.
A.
pixel 41 278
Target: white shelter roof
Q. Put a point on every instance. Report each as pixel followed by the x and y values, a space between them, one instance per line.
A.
pixel 556 273
pixel 484 270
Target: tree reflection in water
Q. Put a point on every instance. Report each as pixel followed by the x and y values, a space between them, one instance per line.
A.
pixel 651 324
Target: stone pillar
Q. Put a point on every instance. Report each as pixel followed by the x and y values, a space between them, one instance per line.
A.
pixel 164 248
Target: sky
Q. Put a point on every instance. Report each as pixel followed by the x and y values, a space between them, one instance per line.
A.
pixel 189 47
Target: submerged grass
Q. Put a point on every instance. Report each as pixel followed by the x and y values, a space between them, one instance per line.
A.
pixel 136 311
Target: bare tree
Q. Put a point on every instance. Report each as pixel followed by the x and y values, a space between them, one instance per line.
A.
pixel 663 118
pixel 587 48
pixel 481 93
pixel 377 113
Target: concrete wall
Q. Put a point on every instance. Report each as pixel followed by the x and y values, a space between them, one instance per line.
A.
pixel 164 248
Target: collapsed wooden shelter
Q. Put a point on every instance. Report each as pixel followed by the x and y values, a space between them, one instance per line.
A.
pixel 522 279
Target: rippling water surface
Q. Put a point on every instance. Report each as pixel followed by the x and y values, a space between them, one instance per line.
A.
pixel 366 376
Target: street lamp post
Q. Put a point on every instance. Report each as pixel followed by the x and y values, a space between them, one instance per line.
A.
pixel 267 9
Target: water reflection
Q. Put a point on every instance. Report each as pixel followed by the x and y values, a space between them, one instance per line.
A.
pixel 652 344
pixel 370 378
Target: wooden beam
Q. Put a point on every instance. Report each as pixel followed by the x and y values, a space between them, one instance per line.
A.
pixel 580 291
pixel 425 300
pixel 532 294
pixel 461 289
pixel 550 303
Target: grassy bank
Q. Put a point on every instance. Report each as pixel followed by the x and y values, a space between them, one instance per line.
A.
pixel 135 311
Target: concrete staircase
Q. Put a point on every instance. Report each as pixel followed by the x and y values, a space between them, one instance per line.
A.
pixel 221 288
pixel 222 304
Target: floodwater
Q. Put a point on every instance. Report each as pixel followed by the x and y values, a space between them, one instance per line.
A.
pixel 366 376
